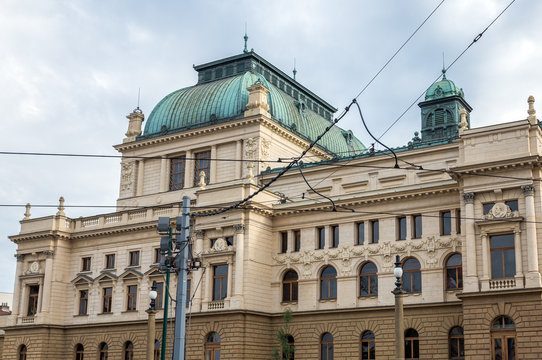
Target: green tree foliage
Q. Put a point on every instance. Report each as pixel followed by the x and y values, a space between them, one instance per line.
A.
pixel 285 351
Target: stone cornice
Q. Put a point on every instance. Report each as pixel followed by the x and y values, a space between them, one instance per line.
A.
pixel 527 161
pixel 39 235
pixel 115 230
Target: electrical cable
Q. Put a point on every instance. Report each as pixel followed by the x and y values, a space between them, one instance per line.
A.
pixel 453 62
pixel 313 189
pixel 400 48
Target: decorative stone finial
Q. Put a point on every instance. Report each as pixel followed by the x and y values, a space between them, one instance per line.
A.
pixel 27 212
pixel 531 111
pixel 257 100
pixel 463 124
pixel 295 71
pixel 245 50
pixel 250 175
pixel 134 126
pixel 61 207
pixel 201 182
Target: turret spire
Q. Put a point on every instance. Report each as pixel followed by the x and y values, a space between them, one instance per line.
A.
pixel 245 50
pixel 295 71
pixel 443 68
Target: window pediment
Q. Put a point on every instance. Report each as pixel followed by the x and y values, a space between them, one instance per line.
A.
pixel 106 276
pixel 130 274
pixel 82 279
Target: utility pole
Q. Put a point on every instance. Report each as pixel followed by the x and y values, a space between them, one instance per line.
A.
pixel 180 310
pixel 177 259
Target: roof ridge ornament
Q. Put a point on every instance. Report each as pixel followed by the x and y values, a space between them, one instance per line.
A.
pixel 245 50
pixel 443 68
pixel 295 71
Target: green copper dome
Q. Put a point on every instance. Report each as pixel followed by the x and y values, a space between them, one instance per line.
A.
pixel 219 100
pixel 443 88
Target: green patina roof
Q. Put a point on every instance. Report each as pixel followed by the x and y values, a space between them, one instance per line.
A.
pixel 225 98
pixel 443 88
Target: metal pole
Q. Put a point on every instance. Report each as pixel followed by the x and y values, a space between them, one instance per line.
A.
pixel 166 295
pixel 180 310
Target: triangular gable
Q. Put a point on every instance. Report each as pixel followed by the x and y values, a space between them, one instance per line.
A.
pixel 153 271
pixel 106 276
pixel 82 279
pixel 130 274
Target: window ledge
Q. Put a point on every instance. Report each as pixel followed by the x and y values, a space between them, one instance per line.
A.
pixel 453 291
pixel 105 313
pixel 327 300
pixel 129 311
pixel 288 302
pixel 413 294
pixel 84 272
pixel 80 315
pixel 364 297
pixel 133 267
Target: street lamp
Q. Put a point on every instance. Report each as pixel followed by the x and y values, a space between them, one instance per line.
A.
pixel 399 319
pixel 151 322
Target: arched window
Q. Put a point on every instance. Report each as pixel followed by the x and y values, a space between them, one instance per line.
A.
pixel 429 120
pixel 457 343
pixel 156 350
pixel 79 352
pixel 503 339
pixel 212 346
pixel 289 286
pixel 326 347
pixel 328 283
pixel 103 350
pixel 368 345
pixel 454 272
pixel 368 280
pixel 288 352
pixel 439 116
pixel 412 345
pixel 22 352
pixel 128 351
pixel 412 276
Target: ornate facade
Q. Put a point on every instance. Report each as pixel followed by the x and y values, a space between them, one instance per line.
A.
pixel 462 211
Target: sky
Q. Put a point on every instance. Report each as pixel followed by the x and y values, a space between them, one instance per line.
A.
pixel 70 72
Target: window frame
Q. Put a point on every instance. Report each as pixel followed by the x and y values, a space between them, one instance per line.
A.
pixel 401 226
pixel 502 250
pixel 103 351
pixel 368 338
pixel 211 346
pixel 360 233
pixel 460 343
pixel 329 347
pixel 371 277
pixel 83 302
pixel 334 234
pixel 221 281
pixel 331 282
pixel 297 240
pixel 414 345
pixel 109 261
pixel 133 257
pixel 22 351
pixel 131 298
pixel 320 238
pixel 445 221
pixel 458 273
pixel 417 229
pixel 292 285
pixel 176 178
pixel 33 299
pixel 374 235
pixel 128 351
pixel 412 274
pixel 283 242
pixel 159 302
pixel 503 333
pixel 107 300
pixel 86 263
pixel 79 351
pixel 202 157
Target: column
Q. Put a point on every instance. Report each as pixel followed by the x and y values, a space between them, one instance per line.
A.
pixel 230 278
pixel 196 275
pixel 47 281
pixel 519 262
pixel 212 168
pixel 238 156
pixel 485 262
pixel 17 299
pixel 532 278
pixel 163 174
pixel 237 301
pixel 471 281
pixel 189 170
pixel 140 175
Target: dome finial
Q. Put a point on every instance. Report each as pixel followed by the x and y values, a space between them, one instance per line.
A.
pixel 245 50
pixel 295 71
pixel 443 68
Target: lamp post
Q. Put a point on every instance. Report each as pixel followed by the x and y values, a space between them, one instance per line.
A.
pixel 151 324
pixel 399 319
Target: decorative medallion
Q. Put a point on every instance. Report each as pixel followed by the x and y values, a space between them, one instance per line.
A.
pixel 34 267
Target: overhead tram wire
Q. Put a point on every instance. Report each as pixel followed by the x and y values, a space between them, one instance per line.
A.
pixel 449 66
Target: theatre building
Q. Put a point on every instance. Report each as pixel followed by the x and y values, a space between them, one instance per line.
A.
pixel 462 210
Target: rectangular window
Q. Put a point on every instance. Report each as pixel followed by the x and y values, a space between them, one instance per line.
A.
pixel 107 300
pixel 134 258
pixel 132 298
pixel 334 236
pixel 283 242
pixel 176 173
pixel 85 264
pixel 487 207
pixel 159 303
pixel 417 226
pixel 110 261
pixel 375 232
pixel 445 222
pixel 83 302
pixel 512 204
pixel 229 240
pixel 157 256
pixel 458 221
pixel 188 285
pixel 503 256
pixel 360 233
pixel 220 282
pixel 297 240
pixel 401 228
pixel 202 163
pixel 321 238
pixel 33 292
